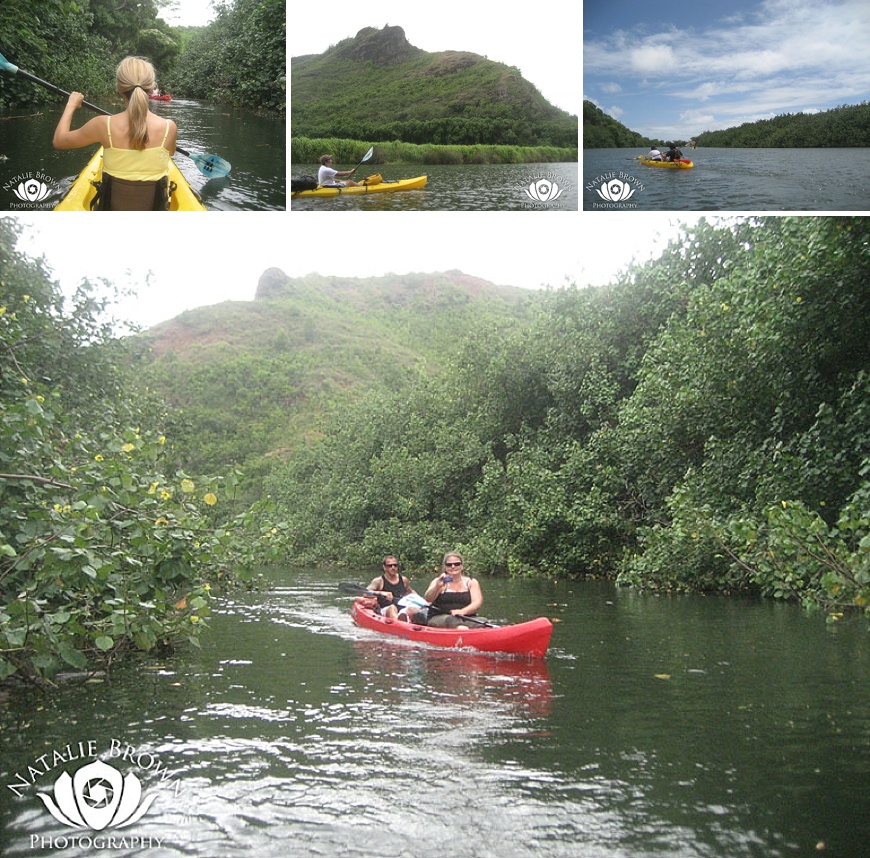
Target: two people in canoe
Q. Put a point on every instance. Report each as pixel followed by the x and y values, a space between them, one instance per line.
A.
pixel 135 171
pixel 673 154
pixel 326 175
pixel 452 595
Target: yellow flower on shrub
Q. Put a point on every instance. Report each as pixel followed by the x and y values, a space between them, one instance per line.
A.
pixel 210 498
pixel 187 486
pixel 128 448
pixel 98 457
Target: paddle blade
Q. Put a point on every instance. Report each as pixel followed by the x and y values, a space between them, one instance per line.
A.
pixel 7 66
pixel 210 165
pixel 367 155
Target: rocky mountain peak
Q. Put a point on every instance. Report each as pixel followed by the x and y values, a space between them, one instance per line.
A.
pixel 385 47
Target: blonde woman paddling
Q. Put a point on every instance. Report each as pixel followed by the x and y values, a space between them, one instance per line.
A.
pixel 137 144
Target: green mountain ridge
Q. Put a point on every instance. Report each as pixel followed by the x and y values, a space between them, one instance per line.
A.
pixel 377 86
pixel 255 379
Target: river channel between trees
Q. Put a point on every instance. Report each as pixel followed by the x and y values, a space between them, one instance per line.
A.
pixel 656 726
pixel 254 144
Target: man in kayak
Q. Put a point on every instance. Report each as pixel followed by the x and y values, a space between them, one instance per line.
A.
pixel 390 587
pixel 135 170
pixel 326 175
pixel 654 155
pixel 673 154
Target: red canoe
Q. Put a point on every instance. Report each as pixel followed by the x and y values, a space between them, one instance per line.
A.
pixel 166 97
pixel 530 639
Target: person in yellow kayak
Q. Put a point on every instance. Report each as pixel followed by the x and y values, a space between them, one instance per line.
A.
pixel 326 175
pixel 654 155
pixel 673 154
pixel 135 174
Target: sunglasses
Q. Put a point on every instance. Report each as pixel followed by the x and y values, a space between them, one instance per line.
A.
pixel 452 563
pixel 394 565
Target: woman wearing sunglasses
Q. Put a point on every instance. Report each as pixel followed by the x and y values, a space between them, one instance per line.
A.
pixel 453 595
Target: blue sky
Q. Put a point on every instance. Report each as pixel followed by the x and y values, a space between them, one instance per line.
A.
pixel 675 70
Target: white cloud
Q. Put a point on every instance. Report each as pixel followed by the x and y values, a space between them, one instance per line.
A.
pixel 652 59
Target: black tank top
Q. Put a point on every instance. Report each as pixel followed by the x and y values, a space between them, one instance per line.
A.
pixel 398 590
pixel 450 601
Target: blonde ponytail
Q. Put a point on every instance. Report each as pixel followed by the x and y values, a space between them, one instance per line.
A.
pixel 134 79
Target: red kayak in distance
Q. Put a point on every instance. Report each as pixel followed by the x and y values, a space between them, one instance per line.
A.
pixel 166 97
pixel 530 639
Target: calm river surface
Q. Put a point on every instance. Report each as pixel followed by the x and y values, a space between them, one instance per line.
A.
pixel 472 187
pixel 735 180
pixel 655 727
pixel 254 145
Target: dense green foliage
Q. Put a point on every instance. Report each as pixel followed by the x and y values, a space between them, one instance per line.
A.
pixel 701 424
pixel 601 131
pixel 377 87
pixel 239 58
pixel 104 545
pixel 77 44
pixel 841 126
pixel 305 151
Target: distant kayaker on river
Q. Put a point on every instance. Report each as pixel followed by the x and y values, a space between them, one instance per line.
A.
pixel 135 175
pixel 326 175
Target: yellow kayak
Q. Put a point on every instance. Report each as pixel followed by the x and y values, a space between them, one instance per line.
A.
pixel 381 187
pixel 78 197
pixel 680 164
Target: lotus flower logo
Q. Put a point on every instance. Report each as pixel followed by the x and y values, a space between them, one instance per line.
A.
pixel 97 798
pixel 543 191
pixel 615 191
pixel 31 191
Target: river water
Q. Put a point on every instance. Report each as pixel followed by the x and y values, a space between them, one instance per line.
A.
pixel 254 144
pixel 472 187
pixel 773 180
pixel 655 727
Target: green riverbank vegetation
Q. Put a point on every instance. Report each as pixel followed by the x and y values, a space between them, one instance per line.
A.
pixel 842 126
pixel 699 425
pixel 106 545
pixel 304 151
pixel 239 58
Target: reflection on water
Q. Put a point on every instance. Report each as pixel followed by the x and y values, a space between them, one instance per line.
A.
pixel 467 187
pixel 677 727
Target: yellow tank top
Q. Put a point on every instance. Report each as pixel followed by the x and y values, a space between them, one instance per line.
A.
pixel 136 165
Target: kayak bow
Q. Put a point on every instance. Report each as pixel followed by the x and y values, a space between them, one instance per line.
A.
pixel 78 197
pixel 529 639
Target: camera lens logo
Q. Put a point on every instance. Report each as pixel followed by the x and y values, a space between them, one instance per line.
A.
pixel 543 191
pixel 31 191
pixel 615 191
pixel 97 798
